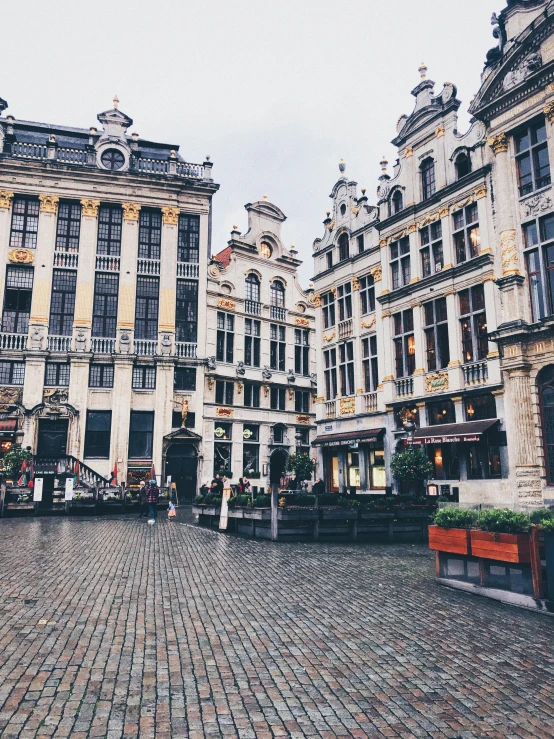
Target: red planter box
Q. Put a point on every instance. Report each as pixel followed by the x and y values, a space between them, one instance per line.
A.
pixel 455 541
pixel 502 547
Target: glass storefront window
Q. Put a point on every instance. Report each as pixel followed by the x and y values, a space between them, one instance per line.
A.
pixel 377 464
pixel 353 470
pixel 334 466
pixel 480 407
pixel 444 458
pixel 441 412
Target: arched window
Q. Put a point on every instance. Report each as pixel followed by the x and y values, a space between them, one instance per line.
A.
pixel 344 247
pixel 428 185
pixel 463 165
pixel 545 383
pixel 252 288
pixel 279 433
pixel 397 202
pixel 277 294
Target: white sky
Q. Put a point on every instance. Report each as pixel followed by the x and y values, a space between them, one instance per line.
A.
pixel 275 91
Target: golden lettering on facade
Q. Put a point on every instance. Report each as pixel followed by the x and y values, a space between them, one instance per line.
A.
pixel 170 216
pixel 436 382
pixel 48 203
pixel 21 256
pixel 90 207
pixel 130 211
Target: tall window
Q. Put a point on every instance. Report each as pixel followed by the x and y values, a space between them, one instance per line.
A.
pixel 224 391
pixel 545 382
pixel 252 330
pixel 184 378
pixel 346 368
pixel 480 407
pixel 141 433
pixel 251 449
pixel 12 373
pixel 400 262
pixel 146 309
pixel 62 305
pixel 432 259
pixel 467 237
pixel 396 203
pixel 538 237
pixel 104 313
pixel 329 258
pixel 251 395
pixel 404 343
pixel 186 313
pixel 330 373
pixel 277 347
pixel 225 337
pixel 150 234
pixel 344 299
pixel 101 375
pixel 188 243
pixel 57 374
pixel 97 434
pixel 367 294
pixel 302 401
pixel 277 398
pixel 17 300
pixel 369 364
pixel 428 185
pixel 436 334
pixel 144 378
pixel 223 434
pixel 277 294
pixel 344 247
pixel 252 288
pixel 360 242
pixel 328 310
pixel 110 218
pixel 473 321
pixel 69 227
pixel 302 351
pixel 24 223
pixel 533 166
pixel 462 165
pixel 441 412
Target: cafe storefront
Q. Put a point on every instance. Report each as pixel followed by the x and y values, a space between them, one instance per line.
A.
pixel 353 462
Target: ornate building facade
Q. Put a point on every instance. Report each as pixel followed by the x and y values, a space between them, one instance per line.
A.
pixel 104 238
pixel 436 303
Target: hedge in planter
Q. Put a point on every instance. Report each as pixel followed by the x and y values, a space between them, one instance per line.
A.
pixel 504 536
pixel 451 530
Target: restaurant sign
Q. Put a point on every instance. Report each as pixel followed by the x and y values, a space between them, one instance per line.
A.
pixel 448 439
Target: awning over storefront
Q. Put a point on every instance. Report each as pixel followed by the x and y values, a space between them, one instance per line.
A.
pixel 8 427
pixel 366 436
pixel 450 433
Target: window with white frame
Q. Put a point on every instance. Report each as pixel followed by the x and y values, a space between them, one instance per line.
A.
pixel 467 236
pixel 370 364
pixel 330 373
pixel 328 310
pixel 346 368
pixel 473 320
pixel 367 294
pixel 400 262
pixel 432 258
pixel 436 334
pixel 533 165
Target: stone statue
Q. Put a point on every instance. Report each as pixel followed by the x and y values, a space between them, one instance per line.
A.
pixel 80 341
pixel 124 344
pixel 240 368
pixel 166 345
pixel 210 363
pixel 291 376
pixel 266 373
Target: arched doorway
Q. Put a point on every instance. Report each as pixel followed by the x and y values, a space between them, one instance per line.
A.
pixel 545 384
pixel 277 465
pixel 180 454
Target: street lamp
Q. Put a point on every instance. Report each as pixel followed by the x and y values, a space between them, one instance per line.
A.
pixel 410 428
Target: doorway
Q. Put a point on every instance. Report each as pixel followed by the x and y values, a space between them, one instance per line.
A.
pixel 52 438
pixel 277 465
pixel 181 464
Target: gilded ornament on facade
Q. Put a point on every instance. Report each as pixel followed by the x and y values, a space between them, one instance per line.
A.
pixel 436 382
pixel 444 212
pixel 48 203
pixel 498 143
pixel 265 388
pixel 10 395
pixel 315 300
pixel 480 192
pixel 227 304
pixel 303 419
pixel 240 385
pixel 301 321
pixel 224 412
pixel 369 323
pixel 440 131
pixel 90 207
pixel 347 405
pixel 21 256
pixel 408 151
pixel 355 283
pixel 383 243
pixel 548 111
pixel 386 314
pixel 170 216
pixel 5 198
pixel 355 211
pixel 331 226
pixel 320 399
pixel 508 252
pixel 376 273
pixel 211 383
pixel 130 211
pixel 329 337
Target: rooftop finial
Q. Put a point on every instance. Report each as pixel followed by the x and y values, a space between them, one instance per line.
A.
pixel 116 102
pixel 422 70
pixel 264 197
pixel 383 164
pixel 342 166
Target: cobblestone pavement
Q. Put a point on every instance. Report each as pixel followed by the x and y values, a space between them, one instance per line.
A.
pixel 113 628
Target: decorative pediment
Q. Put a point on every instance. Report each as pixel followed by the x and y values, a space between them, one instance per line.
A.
pixel 114 121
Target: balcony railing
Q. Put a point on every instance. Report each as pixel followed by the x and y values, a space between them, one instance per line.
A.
pixel 404 387
pixel 252 307
pixel 71 156
pixel 475 374
pixel 68 260
pixel 153 166
pixel 29 151
pixel 189 270
pixel 99 345
pixel 331 409
pixel 345 329
pixel 185 169
pixel 185 349
pixel 107 263
pixel 146 347
pixel 59 343
pixel 13 341
pixel 369 402
pixel 277 313
pixel 148 267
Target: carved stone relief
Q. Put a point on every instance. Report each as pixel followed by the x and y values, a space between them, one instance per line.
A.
pixel 536 205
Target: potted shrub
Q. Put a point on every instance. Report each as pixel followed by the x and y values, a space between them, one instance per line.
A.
pixel 548 529
pixel 13 461
pixel 302 466
pixel 411 466
pixel 451 530
pixel 503 536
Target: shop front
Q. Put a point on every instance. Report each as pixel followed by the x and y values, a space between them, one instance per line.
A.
pixel 353 462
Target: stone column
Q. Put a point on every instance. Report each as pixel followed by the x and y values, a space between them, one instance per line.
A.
pixel 6 197
pixel 44 259
pixel 78 398
pixel 163 408
pixel 168 287
pixel 386 367
pixel 455 374
pixel 420 360
pixel 128 269
pixel 493 354
pixel 121 413
pixel 343 470
pixel 82 322
pixel 32 393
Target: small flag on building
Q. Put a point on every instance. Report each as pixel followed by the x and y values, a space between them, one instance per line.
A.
pixel 114 474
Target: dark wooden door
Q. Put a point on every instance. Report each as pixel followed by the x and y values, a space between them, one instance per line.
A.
pixel 181 465
pixel 52 438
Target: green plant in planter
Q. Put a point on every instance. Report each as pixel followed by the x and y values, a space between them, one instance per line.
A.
pixel 541 514
pixel 199 500
pixel 262 501
pixel 411 465
pixel 302 466
pixel 14 459
pixel 239 501
pixel 504 521
pixel 303 500
pixel 212 499
pixel 456 518
pixel 548 525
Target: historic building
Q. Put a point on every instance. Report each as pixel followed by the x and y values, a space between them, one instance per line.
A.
pixel 260 345
pixel 436 304
pixel 104 238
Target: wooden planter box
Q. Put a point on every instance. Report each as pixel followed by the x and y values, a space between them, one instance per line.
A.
pixel 339 514
pixel 298 514
pixel 236 513
pixel 502 547
pixel 376 515
pixel 257 514
pixel 455 541
pixel 203 510
pixel 415 512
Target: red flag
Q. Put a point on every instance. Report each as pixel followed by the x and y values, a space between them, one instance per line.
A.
pixel 153 472
pixel 114 474
pixel 24 466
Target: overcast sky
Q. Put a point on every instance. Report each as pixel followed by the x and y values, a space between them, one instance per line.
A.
pixel 275 91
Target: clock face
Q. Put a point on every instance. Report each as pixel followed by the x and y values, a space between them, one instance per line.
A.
pixel 265 250
pixel 113 159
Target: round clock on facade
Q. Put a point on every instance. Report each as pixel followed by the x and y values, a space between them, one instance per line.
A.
pixel 265 250
pixel 112 159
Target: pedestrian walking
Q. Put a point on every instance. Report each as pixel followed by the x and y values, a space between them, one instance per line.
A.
pixel 143 503
pixel 152 496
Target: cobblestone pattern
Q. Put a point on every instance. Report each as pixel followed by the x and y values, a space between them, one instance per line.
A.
pixel 111 628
